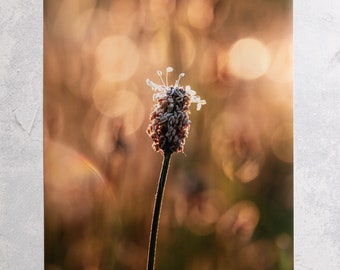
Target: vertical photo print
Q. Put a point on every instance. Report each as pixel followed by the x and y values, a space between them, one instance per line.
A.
pixel 168 135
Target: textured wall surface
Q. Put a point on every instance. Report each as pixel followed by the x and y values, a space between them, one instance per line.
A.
pixel 317 129
pixel 21 136
pixel 317 134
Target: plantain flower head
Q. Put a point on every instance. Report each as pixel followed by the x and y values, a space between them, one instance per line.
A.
pixel 170 122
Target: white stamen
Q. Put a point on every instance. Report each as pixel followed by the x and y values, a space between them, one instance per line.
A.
pixel 159 73
pixel 179 78
pixel 155 86
pixel 200 103
pixel 190 91
pixel 168 69
pixel 162 89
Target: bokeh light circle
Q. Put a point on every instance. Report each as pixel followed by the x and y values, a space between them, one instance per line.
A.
pixel 282 142
pixel 248 171
pixel 248 59
pixel 113 101
pixel 110 101
pixel 200 13
pixel 240 220
pixel 280 69
pixel 117 58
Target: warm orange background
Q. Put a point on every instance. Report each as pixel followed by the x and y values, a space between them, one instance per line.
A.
pixel 228 202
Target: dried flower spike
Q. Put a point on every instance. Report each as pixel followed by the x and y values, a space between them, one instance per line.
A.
pixel 170 122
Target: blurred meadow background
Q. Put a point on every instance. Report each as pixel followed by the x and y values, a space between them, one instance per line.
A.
pixel 229 199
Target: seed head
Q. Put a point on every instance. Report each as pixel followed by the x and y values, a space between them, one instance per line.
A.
pixel 170 122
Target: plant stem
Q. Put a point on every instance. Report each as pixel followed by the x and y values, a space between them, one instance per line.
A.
pixel 157 211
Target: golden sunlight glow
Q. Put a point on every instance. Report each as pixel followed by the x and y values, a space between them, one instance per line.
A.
pixel 188 51
pixel 201 217
pixel 282 142
pixel 160 49
pixel 248 59
pixel 134 117
pixel 280 69
pixel 117 58
pixel 221 140
pixel 67 14
pixel 200 13
pixel 263 249
pixel 157 49
pixel 81 24
pixel 103 136
pixel 248 171
pixel 240 219
pixel 105 96
pixel 73 177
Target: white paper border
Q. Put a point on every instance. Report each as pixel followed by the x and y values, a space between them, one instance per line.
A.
pixel 317 134
pixel 21 135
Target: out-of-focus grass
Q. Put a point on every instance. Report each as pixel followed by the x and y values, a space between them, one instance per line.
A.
pixel 229 201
